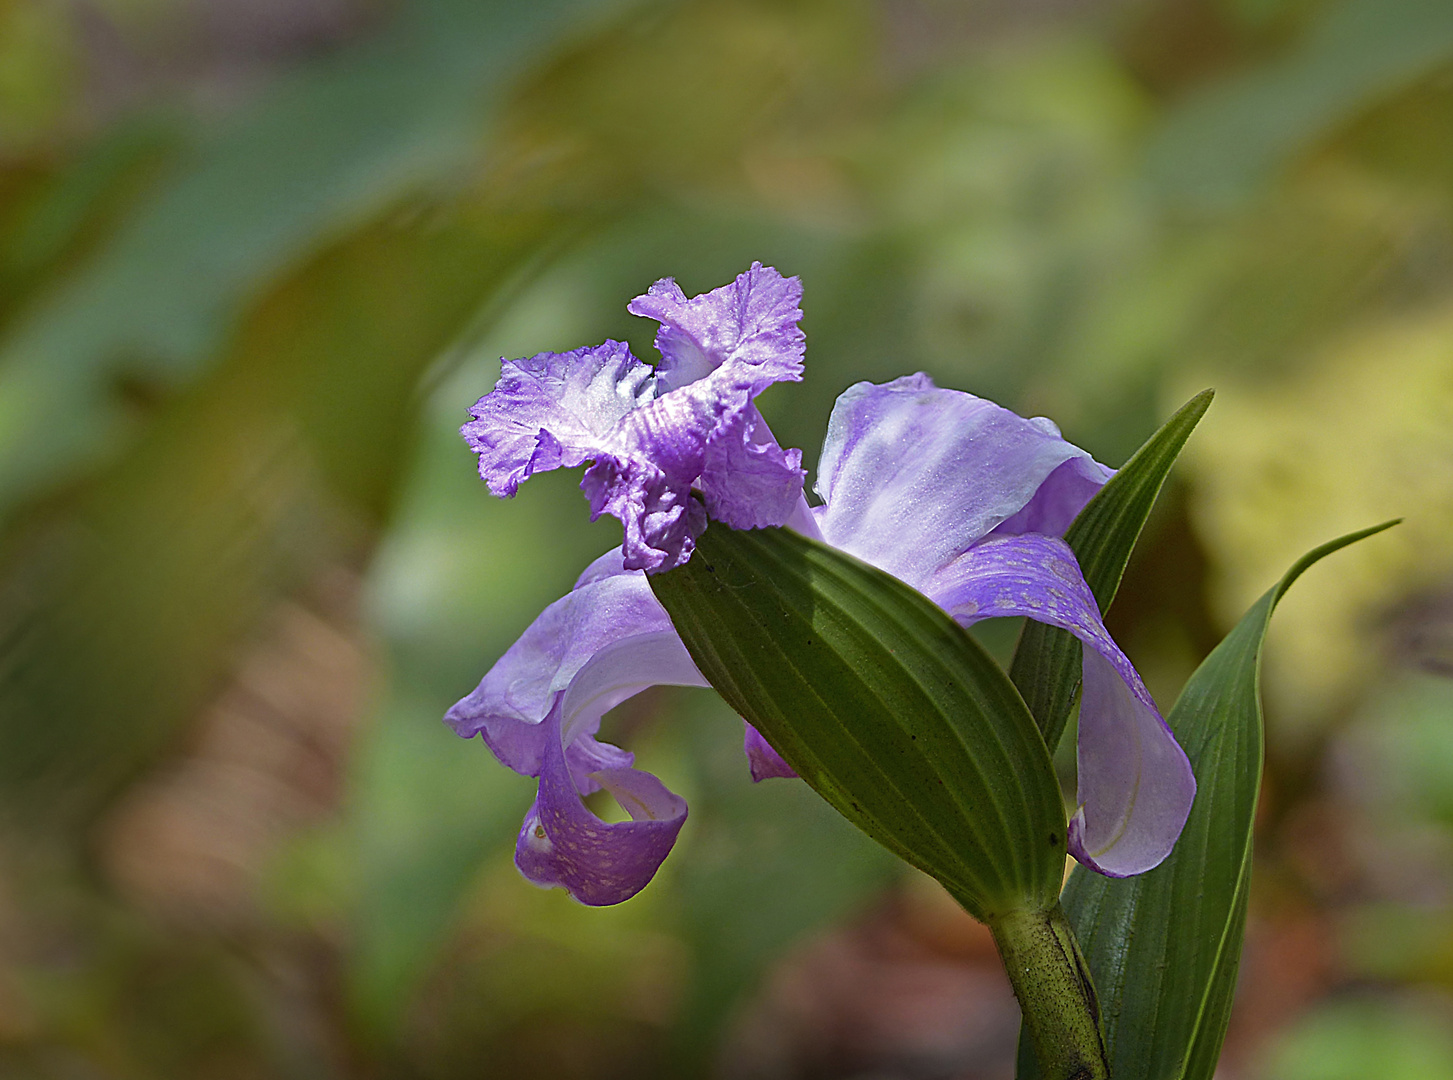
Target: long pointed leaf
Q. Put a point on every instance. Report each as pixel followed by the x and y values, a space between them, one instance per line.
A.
pixel 1046 666
pixel 1164 947
pixel 883 704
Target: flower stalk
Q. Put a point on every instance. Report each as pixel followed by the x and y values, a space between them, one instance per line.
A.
pixel 1056 996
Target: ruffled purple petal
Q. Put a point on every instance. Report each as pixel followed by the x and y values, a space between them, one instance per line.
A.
pixel 912 475
pixel 1135 783
pixel 747 480
pixel 764 762
pixel 563 843
pixel 652 435
pixel 661 520
pixel 554 410
pixel 747 330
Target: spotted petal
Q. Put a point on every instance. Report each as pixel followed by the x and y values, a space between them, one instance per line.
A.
pixel 539 708
pixel 563 843
pixel 1135 783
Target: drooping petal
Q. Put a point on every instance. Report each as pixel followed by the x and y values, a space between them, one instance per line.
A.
pixel 616 672
pixel 1135 782
pixel 765 763
pixel 1059 499
pixel 554 410
pixel 1141 780
pixel 563 843
pixel 747 480
pixel 912 474
pixel 622 670
pixel 748 328
pixel 606 608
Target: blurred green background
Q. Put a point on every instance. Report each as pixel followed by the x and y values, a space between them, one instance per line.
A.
pixel 257 258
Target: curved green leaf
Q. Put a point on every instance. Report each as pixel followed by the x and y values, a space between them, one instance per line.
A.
pixel 1164 947
pixel 1046 665
pixel 884 705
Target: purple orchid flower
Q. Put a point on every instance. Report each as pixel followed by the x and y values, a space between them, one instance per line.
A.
pixel 963 500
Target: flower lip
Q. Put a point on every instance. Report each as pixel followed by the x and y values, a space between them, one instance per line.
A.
pixel 652 435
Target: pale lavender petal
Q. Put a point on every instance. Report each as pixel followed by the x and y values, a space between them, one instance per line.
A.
pixel 617 671
pixel 1135 783
pixel 749 328
pixel 554 410
pixel 563 843
pixel 511 701
pixel 1059 499
pixel 588 755
pixel 912 474
pixel 1141 780
pixel 748 481
pixel 612 563
pixel 803 519
pixel 621 670
pixel 764 762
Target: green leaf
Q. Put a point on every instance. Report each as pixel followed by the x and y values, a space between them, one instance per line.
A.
pixel 885 706
pixel 1164 947
pixel 1046 666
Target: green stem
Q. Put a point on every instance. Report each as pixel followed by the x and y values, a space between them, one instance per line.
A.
pixel 1055 993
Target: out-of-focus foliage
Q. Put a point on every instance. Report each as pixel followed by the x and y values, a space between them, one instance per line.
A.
pixel 257 259
pixel 1352 1039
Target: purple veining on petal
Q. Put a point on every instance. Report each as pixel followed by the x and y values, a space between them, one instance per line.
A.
pixel 554 410
pixel 563 843
pixel 748 481
pixel 1135 782
pixel 650 437
pixel 765 763
pixel 749 328
pixel 661 520
pixel 912 474
pixel 661 450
